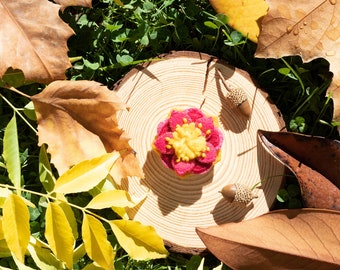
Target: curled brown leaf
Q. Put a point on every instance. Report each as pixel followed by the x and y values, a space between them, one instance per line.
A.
pixel 77 119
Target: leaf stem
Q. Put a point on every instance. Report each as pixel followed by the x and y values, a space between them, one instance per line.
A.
pixel 51 197
pixel 294 72
pixel 17 111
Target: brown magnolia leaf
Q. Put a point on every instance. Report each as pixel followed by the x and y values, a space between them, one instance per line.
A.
pixel 33 38
pixel 314 161
pixel 68 3
pixel 243 15
pixel 77 119
pixel 283 239
pixel 307 28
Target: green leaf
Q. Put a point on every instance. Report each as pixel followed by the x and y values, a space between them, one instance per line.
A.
pixel 210 25
pixel 45 172
pixel 29 111
pixel 86 174
pixel 11 152
pixel 12 77
pixel 15 225
pixel 97 246
pixel 111 198
pixel 58 233
pixel 139 241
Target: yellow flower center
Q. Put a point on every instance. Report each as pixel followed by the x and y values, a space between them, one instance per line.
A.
pixel 187 142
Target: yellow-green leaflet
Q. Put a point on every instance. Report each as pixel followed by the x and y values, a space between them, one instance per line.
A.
pixel 58 233
pixel 15 225
pixel 45 172
pixel 43 258
pixel 139 241
pixel 11 152
pixel 97 246
pixel 86 174
pixel 69 214
pixel 111 198
pixel 4 193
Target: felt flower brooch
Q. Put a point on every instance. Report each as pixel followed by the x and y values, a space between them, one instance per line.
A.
pixel 188 142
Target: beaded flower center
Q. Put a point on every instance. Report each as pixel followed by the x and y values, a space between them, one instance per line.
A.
pixel 187 142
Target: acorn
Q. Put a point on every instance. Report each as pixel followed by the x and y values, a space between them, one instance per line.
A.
pixel 238 193
pixel 236 96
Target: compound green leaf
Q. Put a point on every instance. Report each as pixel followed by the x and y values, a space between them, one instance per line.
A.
pixel 86 174
pixel 58 233
pixel 45 172
pixel 111 198
pixel 139 241
pixel 97 246
pixel 15 225
pixel 11 152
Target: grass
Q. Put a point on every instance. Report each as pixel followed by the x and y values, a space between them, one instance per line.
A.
pixel 111 39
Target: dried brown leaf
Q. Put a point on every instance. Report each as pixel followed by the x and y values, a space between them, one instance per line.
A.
pixel 33 38
pixel 307 28
pixel 77 119
pixel 68 3
pixel 314 161
pixel 284 239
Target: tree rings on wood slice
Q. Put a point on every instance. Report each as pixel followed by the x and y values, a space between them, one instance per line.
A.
pixel 175 206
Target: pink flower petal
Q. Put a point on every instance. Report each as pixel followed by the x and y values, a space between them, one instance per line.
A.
pixel 210 156
pixel 182 168
pixel 163 127
pixel 176 118
pixel 207 124
pixel 201 168
pixel 216 138
pixel 194 113
pixel 160 143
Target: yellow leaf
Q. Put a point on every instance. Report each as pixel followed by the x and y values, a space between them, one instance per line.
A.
pixel 43 258
pixel 69 214
pixel 111 198
pixel 4 193
pixel 139 241
pixel 86 174
pixel 97 246
pixel 243 15
pixel 15 225
pixel 4 250
pixel 58 233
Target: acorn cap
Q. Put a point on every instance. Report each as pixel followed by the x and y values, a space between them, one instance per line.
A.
pixel 239 98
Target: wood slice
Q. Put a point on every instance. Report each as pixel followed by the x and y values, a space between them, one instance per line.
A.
pixel 175 206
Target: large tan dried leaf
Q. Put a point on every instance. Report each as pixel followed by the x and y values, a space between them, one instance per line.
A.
pixel 284 239
pixel 68 3
pixel 33 38
pixel 77 119
pixel 307 28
